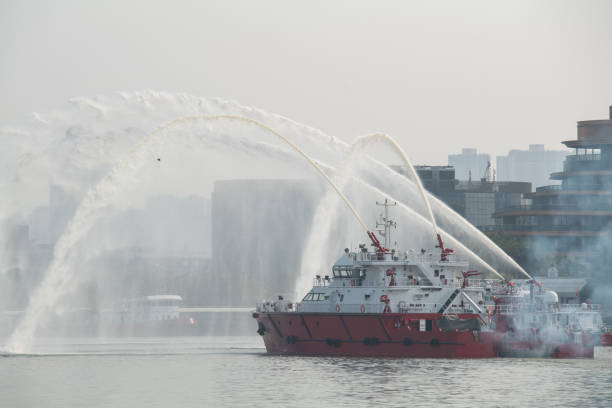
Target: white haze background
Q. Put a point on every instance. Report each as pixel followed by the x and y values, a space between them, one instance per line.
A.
pixel 437 76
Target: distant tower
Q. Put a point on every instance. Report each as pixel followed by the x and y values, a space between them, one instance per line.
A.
pixel 487 173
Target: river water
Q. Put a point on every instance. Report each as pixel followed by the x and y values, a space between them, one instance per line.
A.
pixel 236 372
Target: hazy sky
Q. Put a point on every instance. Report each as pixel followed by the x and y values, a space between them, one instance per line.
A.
pixel 437 75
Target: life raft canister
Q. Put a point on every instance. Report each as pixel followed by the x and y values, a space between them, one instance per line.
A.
pixel 337 308
pixel 363 308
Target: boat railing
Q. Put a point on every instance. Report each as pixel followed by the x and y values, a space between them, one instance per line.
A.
pixel 370 258
pixel 512 308
pixel 422 282
pixel 483 283
pixel 401 307
pixel 320 282
pixel 583 307
pixel 326 307
pixel 275 307
pixel 552 307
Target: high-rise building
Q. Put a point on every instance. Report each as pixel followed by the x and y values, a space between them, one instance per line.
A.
pixel 470 164
pixel 531 165
pixel 570 224
pixel 475 200
pixel 573 214
pixel 434 178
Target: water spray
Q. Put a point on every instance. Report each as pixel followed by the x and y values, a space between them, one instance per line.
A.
pixel 304 280
pixel 58 277
pixel 381 137
pixel 415 214
pixel 363 141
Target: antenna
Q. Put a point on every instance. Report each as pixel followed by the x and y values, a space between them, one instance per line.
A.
pixel 386 223
pixel 487 172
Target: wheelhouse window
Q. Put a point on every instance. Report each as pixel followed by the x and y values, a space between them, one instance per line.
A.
pixel 314 297
pixel 346 271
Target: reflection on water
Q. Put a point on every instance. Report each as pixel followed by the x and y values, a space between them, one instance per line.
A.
pixel 236 372
pixel 129 346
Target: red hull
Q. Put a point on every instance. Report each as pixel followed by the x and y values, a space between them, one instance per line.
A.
pixel 393 335
pixel 605 339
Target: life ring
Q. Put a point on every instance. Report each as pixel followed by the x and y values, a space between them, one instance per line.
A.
pixel 337 308
pixel 362 308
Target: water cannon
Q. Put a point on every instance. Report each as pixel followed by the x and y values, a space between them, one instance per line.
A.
pixel 376 243
pixel 391 273
pixel 511 285
pixel 467 275
pixel 444 252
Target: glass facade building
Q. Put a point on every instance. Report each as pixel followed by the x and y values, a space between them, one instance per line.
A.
pixel 575 216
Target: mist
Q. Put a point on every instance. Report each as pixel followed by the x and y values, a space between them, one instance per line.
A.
pixel 217 212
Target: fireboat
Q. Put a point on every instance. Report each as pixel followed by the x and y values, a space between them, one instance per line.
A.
pixel 424 304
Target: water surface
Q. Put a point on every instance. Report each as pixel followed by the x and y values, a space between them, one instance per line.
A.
pixel 236 372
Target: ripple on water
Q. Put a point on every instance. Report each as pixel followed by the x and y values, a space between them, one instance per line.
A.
pixel 236 372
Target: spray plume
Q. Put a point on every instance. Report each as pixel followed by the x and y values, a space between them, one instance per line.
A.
pixel 364 141
pixel 326 211
pixel 59 276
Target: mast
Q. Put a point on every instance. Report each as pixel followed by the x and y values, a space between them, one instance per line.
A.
pixel 386 223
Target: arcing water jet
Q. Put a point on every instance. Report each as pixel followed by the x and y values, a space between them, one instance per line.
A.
pixel 464 228
pixel 366 140
pixel 359 143
pixel 95 200
pixel 363 141
pixel 272 131
pixel 326 212
pixel 59 275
